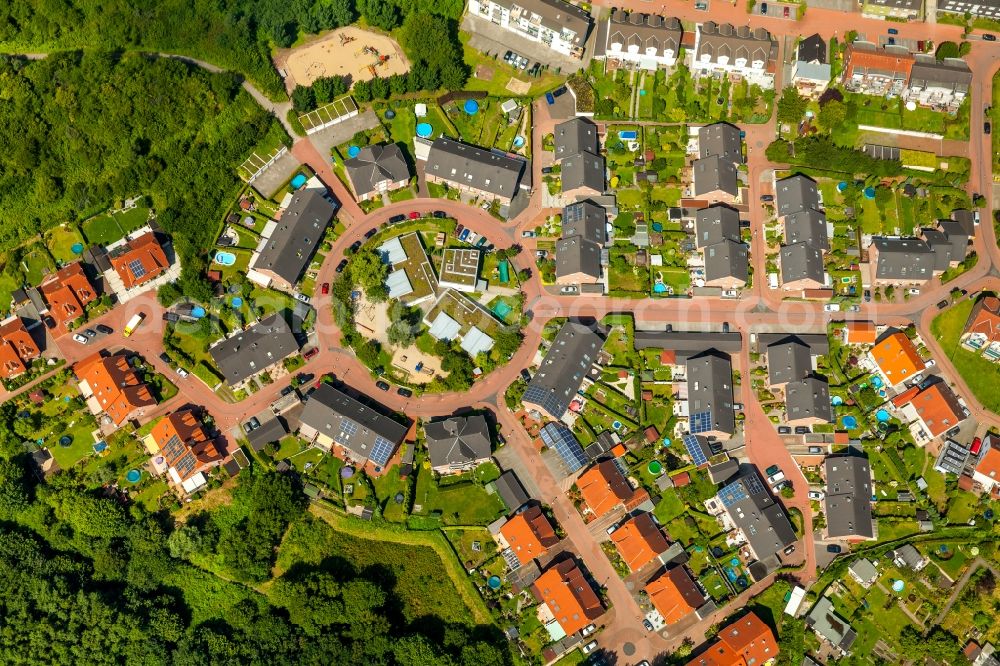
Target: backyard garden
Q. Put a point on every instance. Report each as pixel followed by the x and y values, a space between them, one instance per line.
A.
pixel 980 375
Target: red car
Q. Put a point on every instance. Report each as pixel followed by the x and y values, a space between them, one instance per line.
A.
pixel 977 445
pixel 326 288
pixel 312 352
pixel 414 215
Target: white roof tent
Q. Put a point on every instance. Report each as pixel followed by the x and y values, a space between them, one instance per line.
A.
pixel 398 284
pixel 444 327
pixel 475 342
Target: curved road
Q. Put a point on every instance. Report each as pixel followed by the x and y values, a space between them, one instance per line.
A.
pixel 760 310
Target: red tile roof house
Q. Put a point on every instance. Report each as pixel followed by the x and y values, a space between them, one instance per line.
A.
pixel 982 330
pixel 67 292
pixel 187 448
pixel 110 386
pixel 17 348
pixel 136 263
pixel 933 412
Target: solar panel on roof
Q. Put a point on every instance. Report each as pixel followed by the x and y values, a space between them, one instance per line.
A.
pixel 136 268
pixel 694 450
pixel 562 440
pixel 382 450
pixel 348 428
pixel 700 422
pixel 732 494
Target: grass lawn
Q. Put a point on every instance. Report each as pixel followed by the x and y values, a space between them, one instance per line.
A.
pixel 678 278
pixel 954 565
pixel 150 494
pixel 102 230
pixel 387 487
pixel 981 375
pixel 715 586
pixel 288 446
pixel 464 541
pixel 495 83
pixel 133 218
pixel 7 285
pixel 461 503
pixel 61 240
pixel 669 507
pixel 37 264
pixel 962 507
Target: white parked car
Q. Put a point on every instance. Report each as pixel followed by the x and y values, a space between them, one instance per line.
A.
pixel 815 495
pixel 589 647
pixel 913 291
pixel 302 297
pixel 568 290
pixel 527 234
pixel 82 339
pixel 831 307
pixel 588 630
pixel 776 478
pixel 181 372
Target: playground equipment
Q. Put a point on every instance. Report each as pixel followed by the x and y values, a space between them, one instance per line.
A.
pixel 383 61
pixel 345 39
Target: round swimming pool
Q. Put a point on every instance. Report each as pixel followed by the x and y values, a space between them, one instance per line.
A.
pixel 836 401
pixel 197 312
pixel 494 582
pixel 659 288
pixel 424 130
pixel 471 107
pixel 876 381
pixel 353 151
pixel 850 422
pixel 237 302
pixel 225 258
pixel 133 476
pixel 882 416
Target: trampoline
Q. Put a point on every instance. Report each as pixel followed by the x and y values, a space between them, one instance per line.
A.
pixel 471 107
pixel 494 582
pixel 197 312
pixel 299 180
pixel 133 476
pixel 353 151
pixel 836 401
pixel 898 585
pixel 346 472
pixel 501 310
pixel 237 302
pixel 424 130
pixel 655 467
pixel 390 114
pixel 657 227
pixel 518 141
pixel 65 441
pixel 881 416
pixel 504 271
pixel 77 248
pixel 850 422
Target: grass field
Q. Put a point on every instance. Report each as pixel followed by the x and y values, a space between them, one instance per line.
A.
pixel 462 503
pixel 37 264
pixel 109 227
pixel 501 73
pixel 60 241
pixel 981 375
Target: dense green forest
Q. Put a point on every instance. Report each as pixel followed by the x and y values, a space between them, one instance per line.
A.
pixel 82 130
pixel 86 579
pixel 234 34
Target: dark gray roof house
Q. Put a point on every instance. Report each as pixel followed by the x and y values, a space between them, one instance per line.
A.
pixel 723 471
pixel 818 343
pixel 968 219
pixel 903 259
pixel 812 49
pixel 951 73
pixel 716 224
pixel 788 360
pixel 807 226
pixel 637 30
pixel 715 174
pixel 831 627
pixel 576 256
pixel 941 246
pixel 332 417
pixel 848 500
pixel 686 344
pixel 587 220
pixel 563 369
pixel 800 261
pixel 375 166
pixel 710 395
pixel 298 233
pixel 458 443
pixel 808 400
pixel 796 193
pixel 476 168
pixel 727 259
pixel 762 521
pixel 511 491
pixel 254 350
pixel 576 136
pixel 720 139
pixel 583 170
pixel 270 430
pixel 958 235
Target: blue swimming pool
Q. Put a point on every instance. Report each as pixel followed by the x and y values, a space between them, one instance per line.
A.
pixel 225 258
pixel 424 130
pixel 836 401
pixel 659 288
pixel 882 416
pixel 850 422
pixel 876 381
pixel 628 135
pixel 501 310
pixel 299 180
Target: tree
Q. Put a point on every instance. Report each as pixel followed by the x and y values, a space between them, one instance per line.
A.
pixel 362 91
pixel 328 88
pixel 791 106
pixel 832 115
pixel 380 88
pixel 303 99
pixel 947 50
pixel 507 342
pixel 401 333
pixel 368 269
pixel 379 13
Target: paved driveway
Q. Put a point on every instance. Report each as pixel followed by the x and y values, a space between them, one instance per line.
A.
pixel 491 39
pixel 326 139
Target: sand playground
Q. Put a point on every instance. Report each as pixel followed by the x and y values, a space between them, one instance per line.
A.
pixel 349 52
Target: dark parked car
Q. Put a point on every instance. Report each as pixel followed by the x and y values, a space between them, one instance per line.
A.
pixel 405 392
pixel 440 214
pixel 106 330
pixel 286 390
pixel 893 31
pixel 549 98
pixel 547 169
pixel 525 375
pixel 988 37
pixel 370 233
pixel 305 377
pixel 90 333
pixel 396 219
pixel 772 470
pixel 648 625
pixel 763 8
pixel 767 198
pixel 942 304
pixel 802 430
pixel 341 266
pixel 165 358
pixel 815 449
pixel 382 386
pixel 987 128
pixel 834 548
pixel 790 549
pixel 784 430
pixel 355 246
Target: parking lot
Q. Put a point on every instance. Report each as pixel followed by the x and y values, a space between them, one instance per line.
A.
pixel 779 10
pixel 493 40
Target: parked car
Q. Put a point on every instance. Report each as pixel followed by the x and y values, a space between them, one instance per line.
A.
pixel 325 289
pixel 815 495
pixel 588 630
pixel 464 235
pixel 784 430
pixel 790 550
pixel 891 41
pixel 730 293
pixel 569 290
pixel 506 56
pixel 868 296
pixel 767 198
pixel 547 169
pixel 772 470
pixel 527 234
pixel 458 230
pixel 165 358
pixel 182 373
pixel 285 391
pixel 802 430
pixel 396 219
pixel 82 339
pixel 776 478
pixel 310 353
pixel 382 385
pixel 90 333
pixel 725 327
pixel 701 6
pixel 525 375
pixel 589 647
pixel 341 266
pixel 831 307
pixel 854 308
pixel 988 37
pixel 305 377
pixel 440 214
pixel 302 297
pixel 355 246
pixel 893 31
pixel 405 392
pixel 106 330
pixel 549 98
pixel 913 291
pixel 834 548
pixel 987 128
pixel 646 623
pixel 370 233
pixel 815 449
pixel 481 242
pixel 785 12
pixel 414 215
pixel 763 9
